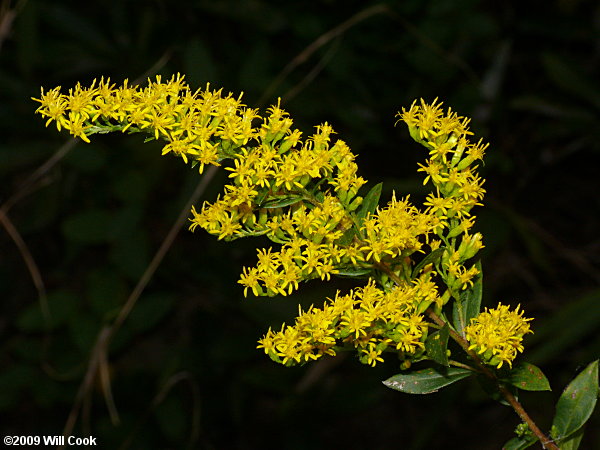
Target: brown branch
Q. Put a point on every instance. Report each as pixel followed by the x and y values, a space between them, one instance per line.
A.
pixel 508 396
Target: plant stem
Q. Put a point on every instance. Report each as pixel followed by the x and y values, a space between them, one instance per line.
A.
pixel 508 396
pixel 459 364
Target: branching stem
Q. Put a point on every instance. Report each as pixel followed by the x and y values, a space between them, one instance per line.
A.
pixel 508 396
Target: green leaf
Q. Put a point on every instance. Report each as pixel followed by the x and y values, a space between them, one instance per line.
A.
pixel 425 381
pixel 354 272
pixel 575 405
pixel 436 345
pixel 528 377
pixel 469 305
pixel 281 202
pixel 572 442
pixel 432 258
pixel 520 443
pixel 370 203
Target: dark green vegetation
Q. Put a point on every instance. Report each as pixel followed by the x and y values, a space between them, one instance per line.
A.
pixel 182 367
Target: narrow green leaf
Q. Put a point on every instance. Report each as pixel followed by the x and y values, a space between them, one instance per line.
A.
pixel 354 272
pixel 281 202
pixel 425 381
pixel 520 443
pixel 432 258
pixel 575 405
pixel 261 197
pixel 469 305
pixel 370 203
pixel 436 346
pixel 528 377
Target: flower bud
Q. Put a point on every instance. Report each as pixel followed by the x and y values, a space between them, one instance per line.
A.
pixel 470 245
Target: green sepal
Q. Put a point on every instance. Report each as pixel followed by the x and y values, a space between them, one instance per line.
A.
pixel 275 357
pixel 436 345
pixel 527 377
pixel 432 258
pixel 576 404
pixel 469 305
pixel 426 381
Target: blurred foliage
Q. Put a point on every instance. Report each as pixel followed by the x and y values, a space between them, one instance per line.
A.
pixel 183 368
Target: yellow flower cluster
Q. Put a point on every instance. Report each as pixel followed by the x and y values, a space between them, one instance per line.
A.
pixel 303 195
pixel 451 168
pixel 397 230
pixel 274 190
pixel 497 334
pixel 203 126
pixel 368 319
pixel 313 247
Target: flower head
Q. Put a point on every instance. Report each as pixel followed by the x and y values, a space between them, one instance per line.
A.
pixel 370 320
pixel 497 334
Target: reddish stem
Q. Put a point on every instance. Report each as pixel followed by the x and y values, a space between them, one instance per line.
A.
pixel 508 396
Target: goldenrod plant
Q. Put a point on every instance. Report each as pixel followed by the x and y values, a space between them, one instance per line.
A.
pixel 420 298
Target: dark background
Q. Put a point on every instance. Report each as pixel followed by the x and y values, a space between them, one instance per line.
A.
pixel 183 367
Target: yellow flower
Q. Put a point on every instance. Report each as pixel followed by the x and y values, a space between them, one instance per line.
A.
pixel 53 105
pixel 373 354
pixel 497 334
